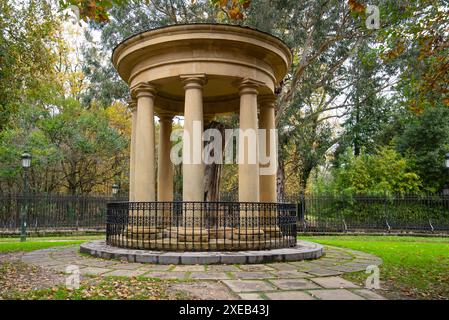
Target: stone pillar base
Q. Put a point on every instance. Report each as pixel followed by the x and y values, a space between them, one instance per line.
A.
pixel 221 233
pixel 193 235
pixel 272 232
pixel 145 233
pixel 248 234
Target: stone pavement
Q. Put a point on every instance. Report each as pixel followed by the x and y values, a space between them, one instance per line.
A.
pixel 303 280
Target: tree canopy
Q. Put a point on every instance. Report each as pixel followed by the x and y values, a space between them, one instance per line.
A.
pixel 355 98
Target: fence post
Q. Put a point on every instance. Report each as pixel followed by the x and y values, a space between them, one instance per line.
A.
pixel 385 213
pixel 345 227
pixel 301 207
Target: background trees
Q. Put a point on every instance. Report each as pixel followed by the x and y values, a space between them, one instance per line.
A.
pixel 76 148
pixel 354 97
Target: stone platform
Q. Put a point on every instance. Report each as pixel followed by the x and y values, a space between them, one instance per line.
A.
pixel 303 251
pixel 304 280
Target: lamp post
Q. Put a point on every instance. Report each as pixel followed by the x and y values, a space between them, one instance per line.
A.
pixel 115 190
pixel 446 164
pixel 26 164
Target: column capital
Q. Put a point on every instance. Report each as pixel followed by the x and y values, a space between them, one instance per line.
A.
pixel 194 80
pixel 143 89
pixel 248 86
pixel 166 116
pixel 132 104
pixel 267 101
pixel 208 118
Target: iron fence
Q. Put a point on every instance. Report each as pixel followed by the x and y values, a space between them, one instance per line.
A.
pixel 408 213
pixel 316 213
pixel 201 226
pixel 53 212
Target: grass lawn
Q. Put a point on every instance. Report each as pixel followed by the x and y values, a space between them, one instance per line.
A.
pixel 14 244
pixel 413 267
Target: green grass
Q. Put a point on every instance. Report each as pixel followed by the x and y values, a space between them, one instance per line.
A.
pixel 413 267
pixel 14 244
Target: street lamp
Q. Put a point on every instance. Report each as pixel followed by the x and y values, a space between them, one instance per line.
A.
pixel 26 164
pixel 115 189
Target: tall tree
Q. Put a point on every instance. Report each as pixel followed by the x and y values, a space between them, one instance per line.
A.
pixel 26 58
pixel 425 139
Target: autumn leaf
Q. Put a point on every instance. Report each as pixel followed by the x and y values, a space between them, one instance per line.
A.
pixel 356 7
pixel 234 9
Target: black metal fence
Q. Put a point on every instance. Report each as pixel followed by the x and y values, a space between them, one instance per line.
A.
pixel 53 212
pixel 316 213
pixel 337 213
pixel 201 226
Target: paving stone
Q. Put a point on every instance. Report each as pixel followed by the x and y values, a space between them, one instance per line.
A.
pixel 367 261
pixel 209 275
pixel 368 294
pixel 97 263
pixel 250 296
pixel 289 274
pixel 189 268
pixel 167 275
pixel 248 285
pixel 94 271
pixel 64 254
pixel 146 258
pixel 156 267
pixel 334 283
pixel 223 268
pixel 61 268
pixel 284 266
pixel 126 266
pixel 323 272
pixel 331 254
pixel 35 258
pixel 124 273
pixel 326 263
pixel 306 268
pixel 169 258
pixel 233 259
pixel 199 259
pixel 361 266
pixel 294 284
pixel 289 295
pixel 255 267
pixel 50 263
pixel 339 294
pixel 252 275
pixel 346 268
pixel 72 261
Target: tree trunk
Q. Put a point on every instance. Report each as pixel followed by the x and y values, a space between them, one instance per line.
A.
pixel 212 174
pixel 305 174
pixel 280 181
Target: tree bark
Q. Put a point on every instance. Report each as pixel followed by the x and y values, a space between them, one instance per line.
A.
pixel 280 181
pixel 212 174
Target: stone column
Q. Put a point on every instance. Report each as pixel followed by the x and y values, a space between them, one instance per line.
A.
pixel 132 158
pixel 193 165
pixel 145 182
pixel 165 166
pixel 250 227
pixel 268 172
pixel 141 230
pixel 248 143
